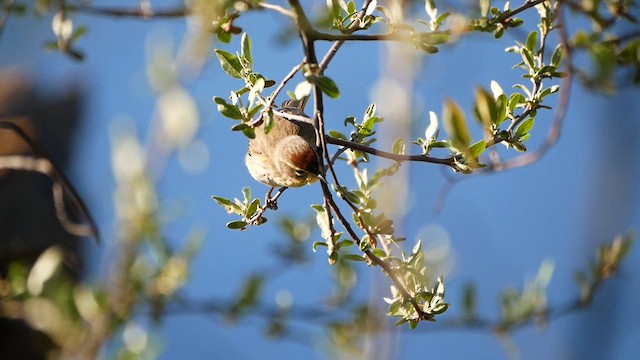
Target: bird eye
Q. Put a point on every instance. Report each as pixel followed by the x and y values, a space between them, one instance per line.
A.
pixel 299 172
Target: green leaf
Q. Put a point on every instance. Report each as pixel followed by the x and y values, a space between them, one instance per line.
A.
pixel 379 253
pixel 318 243
pixel 518 146
pixel 439 309
pixel 523 89
pixel 496 89
pixel 230 63
pixel 430 7
pixel 327 86
pixel 252 208
pixel 227 204
pixel 349 196
pixel 429 49
pixel 524 128
pixel 400 322
pixel 222 201
pixel 254 111
pixel 224 37
pixel 485 108
pixel 337 135
pixel 502 104
pixel 246 193
pixel 532 41
pixel 302 90
pixel 556 58
pixel 73 53
pixel 249 132
pixel 368 124
pixel 439 144
pixel 353 257
pixel 350 120
pixel 246 48
pixel 256 89
pixel 239 224
pixel 515 22
pixel 527 56
pixel 514 100
pixel 51 46
pixel 249 293
pixel 228 110
pixel 431 132
pixel 398 146
pixel 484 7
pixel 476 149
pixel 442 18
pixel 240 127
pixel 549 90
pixel 268 122
pixel 370 111
pixel 345 243
pixel 323 221
pixel 455 124
pixel 351 7
pixel 78 33
pixel 335 10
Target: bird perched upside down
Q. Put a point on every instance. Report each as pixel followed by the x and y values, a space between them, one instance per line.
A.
pixel 287 155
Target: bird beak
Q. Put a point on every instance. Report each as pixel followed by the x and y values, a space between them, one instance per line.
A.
pixel 321 178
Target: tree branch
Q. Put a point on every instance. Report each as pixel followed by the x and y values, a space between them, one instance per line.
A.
pixel 391 156
pixel 143 13
pixel 60 182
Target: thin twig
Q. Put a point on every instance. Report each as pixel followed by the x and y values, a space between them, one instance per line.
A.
pixel 283 82
pixel 276 8
pixel 392 156
pixel 255 219
pixel 177 12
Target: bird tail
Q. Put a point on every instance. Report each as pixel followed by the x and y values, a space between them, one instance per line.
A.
pixel 293 104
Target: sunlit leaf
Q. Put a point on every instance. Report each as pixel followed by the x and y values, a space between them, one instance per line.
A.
pixel 246 48
pixel 478 148
pixel 532 41
pixel 455 124
pixel 230 63
pixel 398 146
pixel 327 86
pixel 302 90
pixel 524 128
pixel 228 110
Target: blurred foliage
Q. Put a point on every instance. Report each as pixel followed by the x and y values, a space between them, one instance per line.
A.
pixel 107 316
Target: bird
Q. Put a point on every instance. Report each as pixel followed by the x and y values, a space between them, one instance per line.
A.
pixel 287 155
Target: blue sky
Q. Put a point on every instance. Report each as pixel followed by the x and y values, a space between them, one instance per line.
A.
pixel 501 227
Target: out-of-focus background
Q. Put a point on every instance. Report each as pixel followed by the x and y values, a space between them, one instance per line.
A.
pixel 494 230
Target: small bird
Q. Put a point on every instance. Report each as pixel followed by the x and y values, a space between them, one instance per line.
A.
pixel 287 155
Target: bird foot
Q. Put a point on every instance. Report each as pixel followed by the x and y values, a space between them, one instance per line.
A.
pixel 269 202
